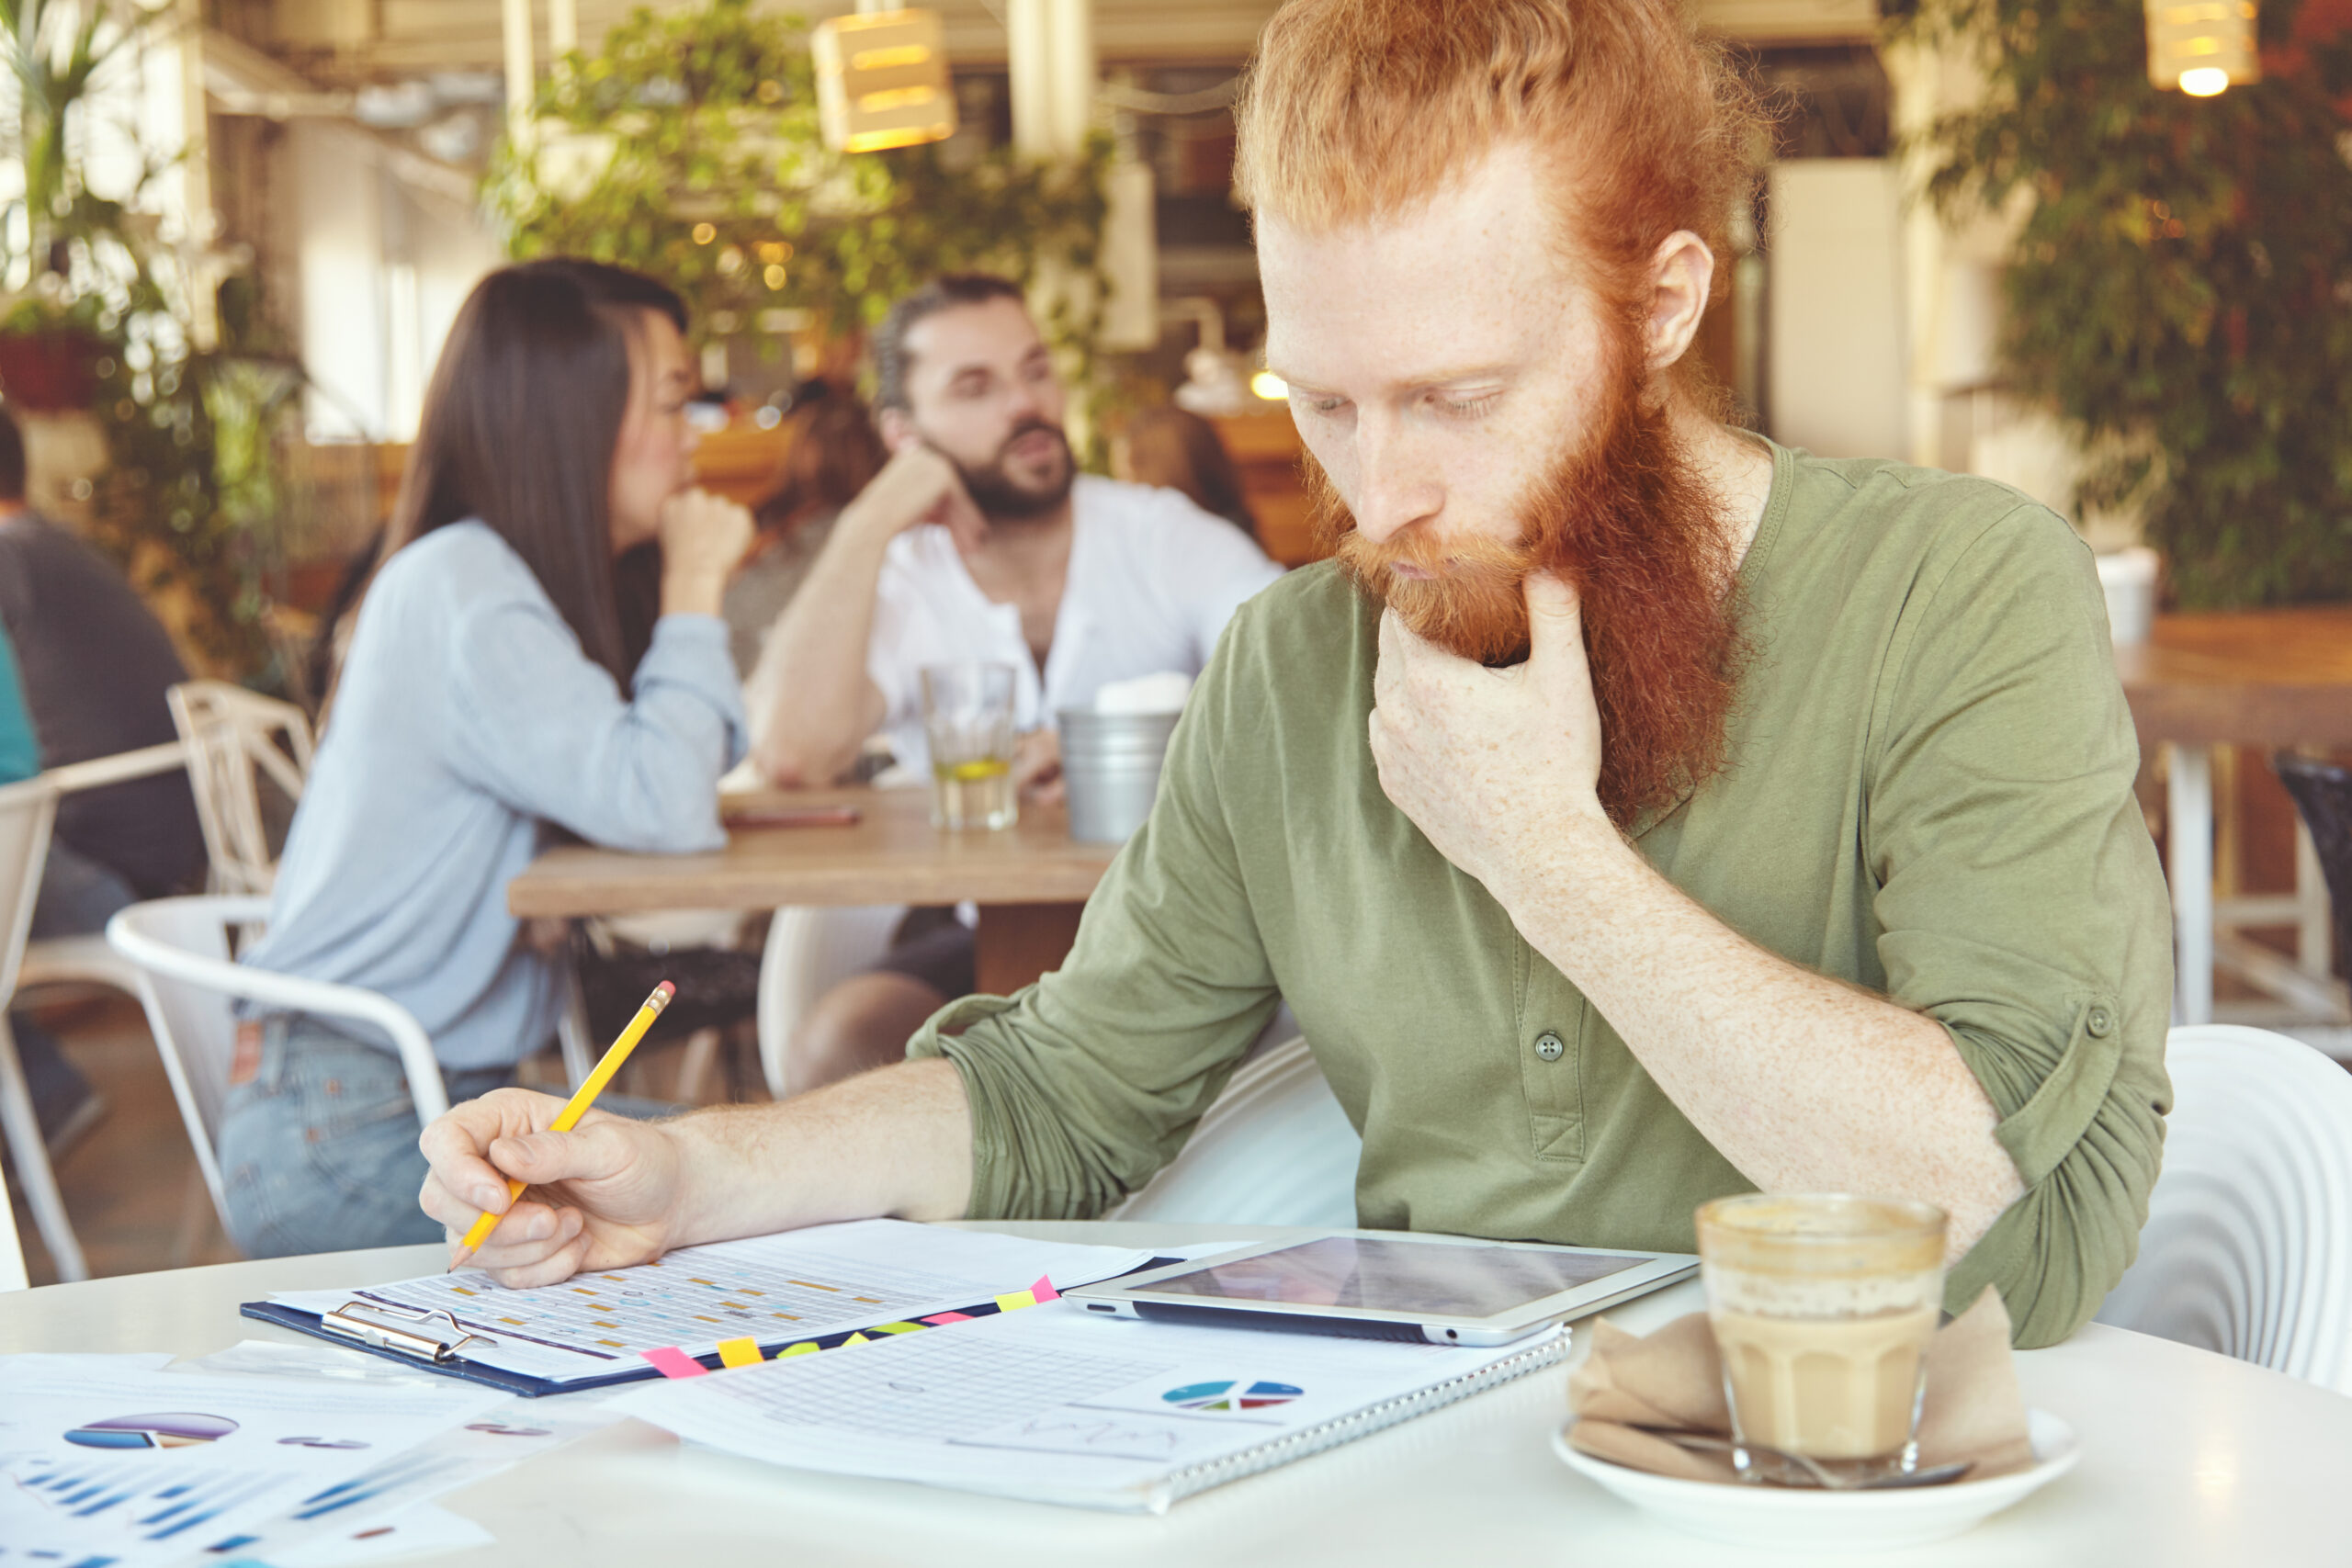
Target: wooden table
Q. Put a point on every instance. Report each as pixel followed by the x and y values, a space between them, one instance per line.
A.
pixel 1029 881
pixel 2265 678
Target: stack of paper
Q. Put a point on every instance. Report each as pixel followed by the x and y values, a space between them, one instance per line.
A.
pixel 1060 1406
pixel 111 1457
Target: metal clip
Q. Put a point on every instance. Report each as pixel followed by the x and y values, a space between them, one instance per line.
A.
pixel 410 1333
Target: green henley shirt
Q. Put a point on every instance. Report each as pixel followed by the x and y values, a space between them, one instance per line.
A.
pixel 1929 795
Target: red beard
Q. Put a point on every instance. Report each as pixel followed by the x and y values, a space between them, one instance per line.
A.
pixel 1629 523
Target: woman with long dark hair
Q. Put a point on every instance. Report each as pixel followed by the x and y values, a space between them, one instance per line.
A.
pixel 540 651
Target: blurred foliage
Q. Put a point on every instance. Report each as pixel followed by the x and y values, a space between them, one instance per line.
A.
pixel 688 149
pixel 2180 292
pixel 189 498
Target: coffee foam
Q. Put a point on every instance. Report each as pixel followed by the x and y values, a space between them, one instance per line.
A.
pixel 1816 1296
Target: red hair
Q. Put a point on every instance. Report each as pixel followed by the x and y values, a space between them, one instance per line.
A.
pixel 1353 110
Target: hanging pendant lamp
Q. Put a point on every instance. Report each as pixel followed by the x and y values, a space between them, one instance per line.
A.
pixel 2201 46
pixel 882 80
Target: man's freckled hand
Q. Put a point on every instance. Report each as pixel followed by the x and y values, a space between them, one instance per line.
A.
pixel 1490 764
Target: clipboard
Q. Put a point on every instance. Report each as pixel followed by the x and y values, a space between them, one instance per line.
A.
pixel 436 1342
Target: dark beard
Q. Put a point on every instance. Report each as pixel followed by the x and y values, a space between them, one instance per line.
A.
pixel 1626 519
pixel 1000 499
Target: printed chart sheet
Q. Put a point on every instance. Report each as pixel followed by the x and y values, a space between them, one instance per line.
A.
pixel 1060 1406
pixel 109 1458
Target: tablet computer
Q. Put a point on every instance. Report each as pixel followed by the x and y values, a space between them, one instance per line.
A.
pixel 1392 1285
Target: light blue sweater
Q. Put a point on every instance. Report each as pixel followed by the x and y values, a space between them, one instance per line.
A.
pixel 467 725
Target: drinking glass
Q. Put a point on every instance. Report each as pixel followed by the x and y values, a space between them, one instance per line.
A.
pixel 1822 1305
pixel 967 718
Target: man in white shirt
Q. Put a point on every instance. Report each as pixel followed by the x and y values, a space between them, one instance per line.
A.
pixel 979 540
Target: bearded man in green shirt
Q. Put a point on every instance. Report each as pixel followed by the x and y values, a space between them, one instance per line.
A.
pixel 1635 812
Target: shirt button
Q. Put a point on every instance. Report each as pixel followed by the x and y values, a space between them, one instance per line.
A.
pixel 1549 1046
pixel 2100 1022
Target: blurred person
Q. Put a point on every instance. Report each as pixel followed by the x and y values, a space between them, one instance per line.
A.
pixel 95 664
pixel 1177 449
pixel 1635 813
pixel 831 454
pixel 979 540
pixel 19 747
pixel 503 686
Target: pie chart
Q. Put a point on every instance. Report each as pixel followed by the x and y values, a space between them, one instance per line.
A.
pixel 1232 1394
pixel 173 1429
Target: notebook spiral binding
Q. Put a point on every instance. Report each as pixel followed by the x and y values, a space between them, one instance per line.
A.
pixel 1182 1484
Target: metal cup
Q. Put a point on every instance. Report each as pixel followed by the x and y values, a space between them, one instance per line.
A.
pixel 1111 764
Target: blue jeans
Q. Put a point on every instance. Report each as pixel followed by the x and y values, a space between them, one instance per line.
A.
pixel 78 896
pixel 318 1150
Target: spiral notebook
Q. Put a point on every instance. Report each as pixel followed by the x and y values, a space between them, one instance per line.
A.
pixel 1060 1405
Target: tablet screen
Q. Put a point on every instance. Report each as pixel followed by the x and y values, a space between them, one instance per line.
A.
pixel 1402 1277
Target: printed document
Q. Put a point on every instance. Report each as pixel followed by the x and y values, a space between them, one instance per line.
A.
pixel 772 1289
pixel 1059 1405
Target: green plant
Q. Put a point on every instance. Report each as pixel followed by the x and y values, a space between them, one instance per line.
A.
pixel 688 149
pixel 2181 290
pixel 189 499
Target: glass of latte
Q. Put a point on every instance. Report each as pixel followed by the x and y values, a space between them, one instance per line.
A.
pixel 1821 1306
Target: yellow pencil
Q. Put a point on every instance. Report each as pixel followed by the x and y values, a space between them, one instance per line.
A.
pixel 569 1117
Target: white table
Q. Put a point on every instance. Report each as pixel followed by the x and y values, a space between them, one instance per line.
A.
pixel 2188 1458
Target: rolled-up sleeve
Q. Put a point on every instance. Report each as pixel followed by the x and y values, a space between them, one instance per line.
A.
pixel 1086 1083
pixel 2022 903
pixel 538 724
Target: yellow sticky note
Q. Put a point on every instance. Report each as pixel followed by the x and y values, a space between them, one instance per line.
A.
pixel 857 1339
pixel 806 1347
pixel 744 1352
pixel 898 1329
pixel 1016 1301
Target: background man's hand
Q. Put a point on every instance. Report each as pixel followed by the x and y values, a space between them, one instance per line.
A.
pixel 601 1196
pixel 918 485
pixel 1038 767
pixel 1491 764
pixel 704 538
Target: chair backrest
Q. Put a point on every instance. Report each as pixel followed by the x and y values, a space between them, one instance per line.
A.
pixel 810 951
pixel 189 985
pixel 1275 1149
pixel 195 1029
pixel 233 737
pixel 2248 1244
pixel 2322 792
pixel 13 1273
pixel 28 812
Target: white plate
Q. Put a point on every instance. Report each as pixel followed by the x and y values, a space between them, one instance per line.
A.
pixel 1800 1521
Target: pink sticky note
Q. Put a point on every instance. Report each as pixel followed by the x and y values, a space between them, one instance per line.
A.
pixel 949 1317
pixel 1044 1290
pixel 673 1362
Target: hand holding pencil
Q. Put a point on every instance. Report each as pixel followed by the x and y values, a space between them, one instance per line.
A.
pixel 564 1121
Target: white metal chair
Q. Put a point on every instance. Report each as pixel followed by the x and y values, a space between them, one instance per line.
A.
pixel 2248 1244
pixel 1275 1149
pixel 87 960
pixel 232 736
pixel 13 1275
pixel 28 816
pixel 27 811
pixel 809 951
pixel 187 981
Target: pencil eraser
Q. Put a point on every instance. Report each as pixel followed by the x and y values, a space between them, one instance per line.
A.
pixel 666 990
